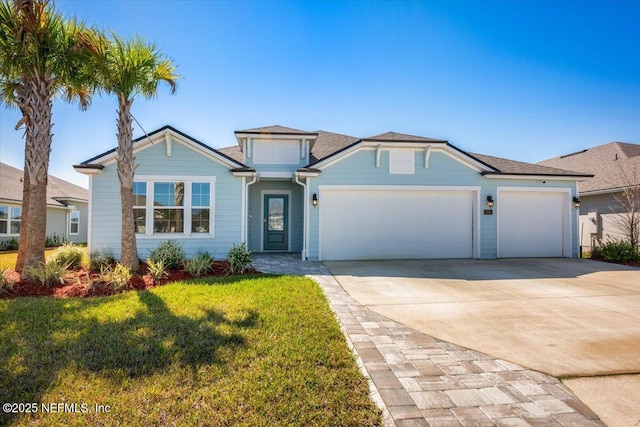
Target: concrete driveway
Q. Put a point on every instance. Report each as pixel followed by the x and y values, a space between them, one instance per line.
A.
pixel 565 317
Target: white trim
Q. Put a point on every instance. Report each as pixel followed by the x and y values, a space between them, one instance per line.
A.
pixel 475 215
pixel 401 166
pixel 168 139
pixel 378 153
pixel 87 171
pixel 277 175
pixel 444 148
pixel 275 193
pixel 245 207
pixel 9 221
pixel 311 136
pixel 90 215
pixel 427 154
pixel 535 177
pixel 187 207
pixel 401 187
pixel 567 221
pixel 69 223
pixel 144 143
pixel 305 215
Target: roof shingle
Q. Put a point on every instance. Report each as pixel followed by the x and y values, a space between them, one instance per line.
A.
pixel 11 188
pixel 613 165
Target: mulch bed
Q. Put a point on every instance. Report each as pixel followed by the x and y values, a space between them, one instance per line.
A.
pixel 76 282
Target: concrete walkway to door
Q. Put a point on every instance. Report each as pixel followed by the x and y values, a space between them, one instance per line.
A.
pixel 564 317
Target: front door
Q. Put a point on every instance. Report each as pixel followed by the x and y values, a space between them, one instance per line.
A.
pixel 276 222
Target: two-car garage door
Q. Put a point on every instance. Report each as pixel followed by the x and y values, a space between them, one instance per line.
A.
pixel 404 223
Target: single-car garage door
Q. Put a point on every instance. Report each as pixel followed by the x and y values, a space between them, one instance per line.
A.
pixel 395 224
pixel 533 224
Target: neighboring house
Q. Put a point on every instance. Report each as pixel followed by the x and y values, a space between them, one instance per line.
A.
pixel 334 197
pixel 615 166
pixel 67 207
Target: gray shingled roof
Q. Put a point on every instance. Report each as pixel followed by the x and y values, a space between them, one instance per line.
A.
pixel 11 188
pixel 276 130
pixel 400 137
pixel 613 165
pixel 233 152
pixel 513 167
pixel 329 143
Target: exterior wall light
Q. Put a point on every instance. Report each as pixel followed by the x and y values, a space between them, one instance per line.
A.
pixel 490 202
pixel 314 200
pixel 576 202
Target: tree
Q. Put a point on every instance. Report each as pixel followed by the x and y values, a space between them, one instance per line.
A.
pixel 40 57
pixel 128 67
pixel 627 218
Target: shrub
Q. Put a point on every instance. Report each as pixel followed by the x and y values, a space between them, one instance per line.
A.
pixel 53 241
pixel 98 259
pixel 69 254
pixel 157 270
pixel 6 285
pixel 239 258
pixel 619 251
pixel 119 277
pixel 200 265
pixel 48 274
pixel 10 245
pixel 169 252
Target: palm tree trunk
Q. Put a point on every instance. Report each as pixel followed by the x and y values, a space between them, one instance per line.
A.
pixel 126 170
pixel 24 229
pixel 37 148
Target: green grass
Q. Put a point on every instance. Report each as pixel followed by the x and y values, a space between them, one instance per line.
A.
pixel 8 259
pixel 237 351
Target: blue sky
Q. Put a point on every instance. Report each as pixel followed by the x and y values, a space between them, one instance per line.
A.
pixel 526 80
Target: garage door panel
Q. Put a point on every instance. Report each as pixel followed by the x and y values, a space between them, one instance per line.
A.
pixel 386 224
pixel 532 224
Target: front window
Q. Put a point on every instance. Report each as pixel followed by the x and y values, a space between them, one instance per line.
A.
pixel 10 218
pixel 200 211
pixel 168 200
pixel 140 206
pixel 74 222
pixel 173 206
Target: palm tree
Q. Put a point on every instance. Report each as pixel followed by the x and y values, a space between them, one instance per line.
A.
pixel 39 58
pixel 128 67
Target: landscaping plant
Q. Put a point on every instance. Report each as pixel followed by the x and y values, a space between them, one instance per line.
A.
pixel 620 251
pixel 47 274
pixel 200 265
pixel 239 258
pixel 169 252
pixel 6 285
pixel 157 270
pixel 70 255
pixel 119 277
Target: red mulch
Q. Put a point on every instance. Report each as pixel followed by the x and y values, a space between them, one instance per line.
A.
pixel 76 282
pixel 629 263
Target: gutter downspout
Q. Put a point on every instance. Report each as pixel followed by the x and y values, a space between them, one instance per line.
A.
pixel 245 208
pixel 305 225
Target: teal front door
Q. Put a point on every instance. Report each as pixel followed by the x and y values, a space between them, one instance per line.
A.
pixel 276 223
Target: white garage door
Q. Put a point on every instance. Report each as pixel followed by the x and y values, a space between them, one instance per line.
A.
pixel 395 224
pixel 533 224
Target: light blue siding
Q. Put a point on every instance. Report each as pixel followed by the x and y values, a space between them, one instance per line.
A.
pixel 227 204
pixel 360 169
pixel 256 194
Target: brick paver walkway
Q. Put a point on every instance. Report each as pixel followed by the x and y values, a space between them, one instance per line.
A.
pixel 418 380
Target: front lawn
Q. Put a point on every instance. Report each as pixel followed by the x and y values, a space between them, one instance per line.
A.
pixel 236 351
pixel 8 259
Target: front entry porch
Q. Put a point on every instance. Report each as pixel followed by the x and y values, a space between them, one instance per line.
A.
pixel 275 216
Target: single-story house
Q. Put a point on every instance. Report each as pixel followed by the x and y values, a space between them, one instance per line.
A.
pixel 615 167
pixel 335 197
pixel 67 207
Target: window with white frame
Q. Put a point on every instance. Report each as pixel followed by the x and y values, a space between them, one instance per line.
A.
pixel 140 206
pixel 176 206
pixel 74 222
pixel 10 219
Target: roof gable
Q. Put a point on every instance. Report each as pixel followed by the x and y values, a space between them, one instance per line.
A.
pixel 159 136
